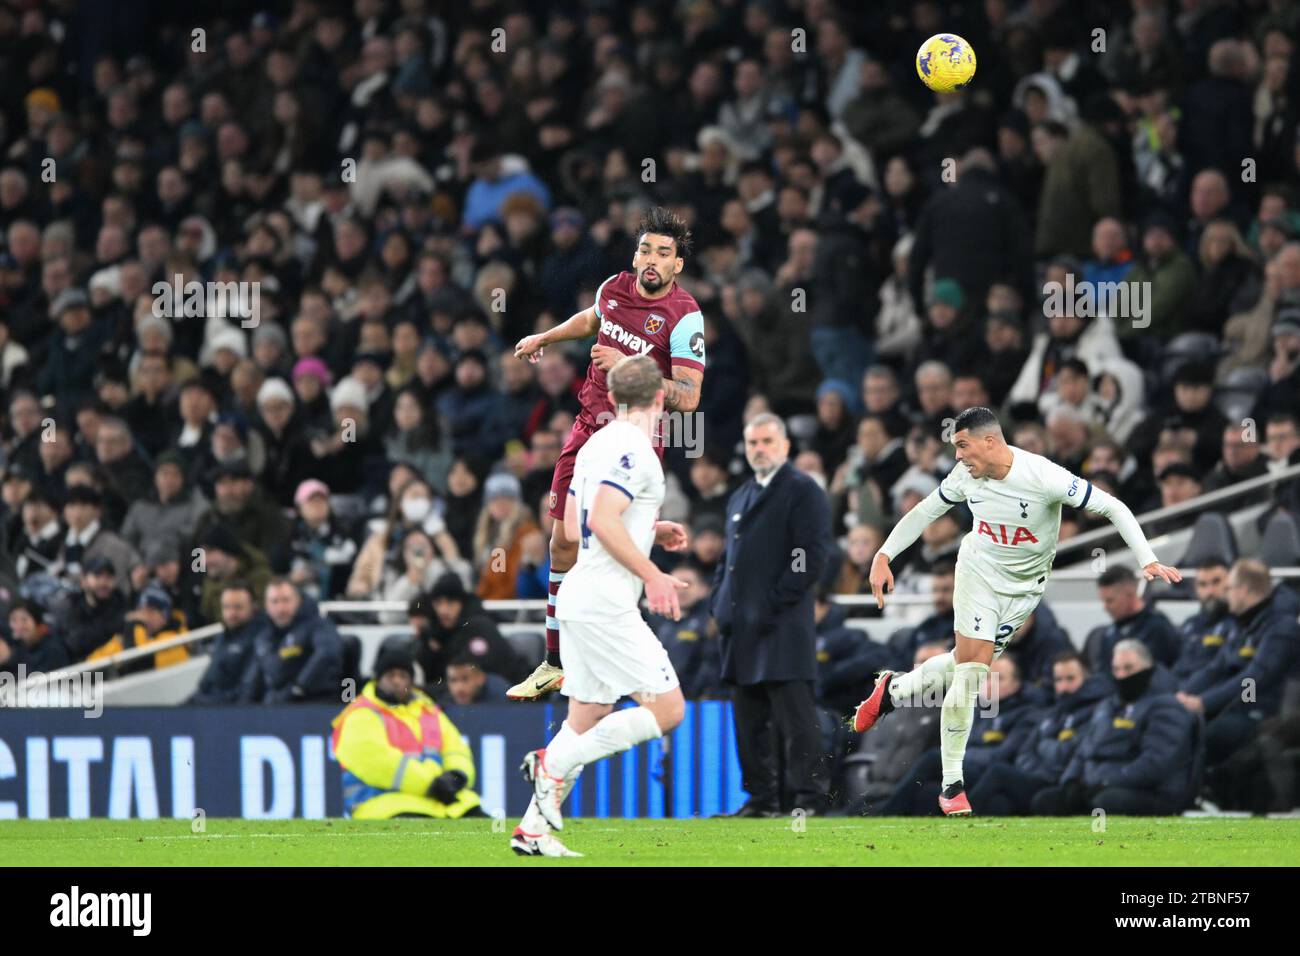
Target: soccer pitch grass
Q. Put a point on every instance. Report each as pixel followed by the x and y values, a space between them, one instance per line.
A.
pixel 1126 841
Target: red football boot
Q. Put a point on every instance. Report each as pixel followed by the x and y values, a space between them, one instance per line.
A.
pixel 878 704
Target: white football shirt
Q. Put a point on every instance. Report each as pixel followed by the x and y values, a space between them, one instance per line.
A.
pixel 618 456
pixel 1016 519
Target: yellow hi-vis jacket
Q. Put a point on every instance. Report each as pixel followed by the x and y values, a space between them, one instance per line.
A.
pixel 390 754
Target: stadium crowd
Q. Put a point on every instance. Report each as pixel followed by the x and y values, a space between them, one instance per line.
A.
pixel 411 187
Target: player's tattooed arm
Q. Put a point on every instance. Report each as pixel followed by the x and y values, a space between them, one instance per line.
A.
pixel 682 391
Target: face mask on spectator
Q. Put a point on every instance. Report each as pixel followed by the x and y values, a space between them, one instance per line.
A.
pixel 1135 685
pixel 416 510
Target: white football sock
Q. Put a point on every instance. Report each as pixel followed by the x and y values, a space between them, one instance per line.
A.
pixel 614 733
pixel 957 716
pixel 925 685
pixel 533 822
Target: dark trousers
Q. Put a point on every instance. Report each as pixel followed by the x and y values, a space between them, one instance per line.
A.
pixel 1004 791
pixel 1072 800
pixel 1227 734
pixel 778 734
pixel 917 795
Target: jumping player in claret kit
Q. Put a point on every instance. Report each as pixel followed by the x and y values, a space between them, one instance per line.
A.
pixel 612 511
pixel 1015 500
pixel 642 312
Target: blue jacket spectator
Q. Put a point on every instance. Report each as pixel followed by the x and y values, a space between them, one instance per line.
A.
pixel 470 406
pixel 297 654
pixel 1045 752
pixel 847 659
pixel 692 642
pixel 231 653
pixel 1038 642
pixel 498 177
pixel 1136 754
pixel 1257 655
pixel 1203 634
pixel 1047 749
pixel 1132 618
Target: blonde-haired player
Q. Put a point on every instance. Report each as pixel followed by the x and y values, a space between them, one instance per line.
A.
pixel 609 650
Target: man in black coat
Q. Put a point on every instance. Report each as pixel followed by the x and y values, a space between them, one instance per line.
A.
pixel 777 543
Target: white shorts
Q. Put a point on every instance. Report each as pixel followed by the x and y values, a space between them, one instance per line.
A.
pixel 986 614
pixel 605 661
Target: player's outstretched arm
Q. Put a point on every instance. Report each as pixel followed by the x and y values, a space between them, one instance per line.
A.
pixel 1119 515
pixel 606 523
pixel 907 530
pixel 580 325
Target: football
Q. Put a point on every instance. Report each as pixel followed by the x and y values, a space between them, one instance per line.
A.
pixel 945 62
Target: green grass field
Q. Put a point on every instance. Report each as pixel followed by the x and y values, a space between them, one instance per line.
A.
pixel 1132 841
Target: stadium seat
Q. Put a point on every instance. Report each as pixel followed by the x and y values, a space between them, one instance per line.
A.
pixel 1237 393
pixel 529 645
pixel 1280 545
pixel 1212 537
pixel 1189 347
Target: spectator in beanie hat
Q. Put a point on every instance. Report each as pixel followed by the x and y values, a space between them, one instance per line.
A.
pixel 95 613
pixel 225 558
pixel 321 549
pixel 429 776
pixel 172 508
pixel 504 527
pixel 452 623
pixel 150 623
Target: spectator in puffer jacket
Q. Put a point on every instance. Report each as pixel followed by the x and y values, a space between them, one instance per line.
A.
pixel 1203 633
pixel 1243 683
pixel 230 656
pixel 1008 711
pixel 1135 755
pixel 297 655
pixel 1132 618
pixel 1009 789
pixel 847 658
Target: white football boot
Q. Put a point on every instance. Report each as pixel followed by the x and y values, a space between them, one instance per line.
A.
pixel 541 681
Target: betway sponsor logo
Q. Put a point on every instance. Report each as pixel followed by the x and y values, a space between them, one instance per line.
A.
pixel 623 337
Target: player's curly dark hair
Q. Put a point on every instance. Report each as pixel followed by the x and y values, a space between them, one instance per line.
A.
pixel 662 221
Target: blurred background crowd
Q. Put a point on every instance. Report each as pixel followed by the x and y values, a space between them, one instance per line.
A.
pixel 413 186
